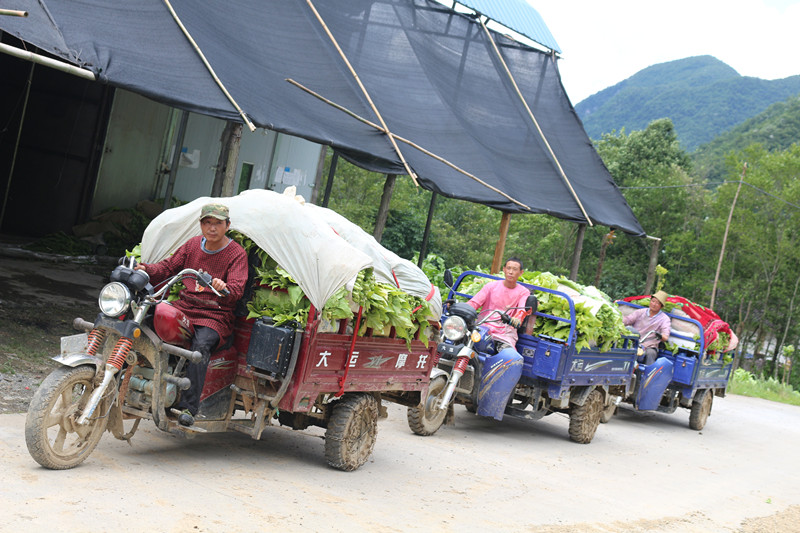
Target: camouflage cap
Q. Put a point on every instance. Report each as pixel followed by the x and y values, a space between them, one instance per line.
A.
pixel 214 210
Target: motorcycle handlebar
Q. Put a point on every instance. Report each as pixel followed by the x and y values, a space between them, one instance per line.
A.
pixel 204 278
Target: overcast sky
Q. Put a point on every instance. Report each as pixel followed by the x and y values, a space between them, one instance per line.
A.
pixel 603 43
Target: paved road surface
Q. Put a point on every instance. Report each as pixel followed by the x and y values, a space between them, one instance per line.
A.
pixel 643 472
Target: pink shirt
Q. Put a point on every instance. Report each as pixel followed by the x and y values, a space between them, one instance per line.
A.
pixel 644 323
pixel 495 295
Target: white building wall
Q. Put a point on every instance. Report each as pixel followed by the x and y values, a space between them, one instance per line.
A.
pixel 140 142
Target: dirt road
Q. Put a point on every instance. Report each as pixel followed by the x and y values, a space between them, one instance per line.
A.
pixel 642 473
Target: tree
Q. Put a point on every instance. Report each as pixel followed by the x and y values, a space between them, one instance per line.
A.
pixel 654 174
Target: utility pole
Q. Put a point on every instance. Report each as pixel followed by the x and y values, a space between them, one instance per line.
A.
pixel 499 249
pixel 383 210
pixel 725 237
pixel 607 240
pixel 651 269
pixel 576 254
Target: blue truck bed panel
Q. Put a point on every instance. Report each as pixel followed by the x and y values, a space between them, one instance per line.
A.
pixel 545 360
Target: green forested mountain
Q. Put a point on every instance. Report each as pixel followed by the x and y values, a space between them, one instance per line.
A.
pixel 702 96
pixel 775 129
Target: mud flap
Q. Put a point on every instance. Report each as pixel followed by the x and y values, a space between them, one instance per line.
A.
pixel 500 375
pixel 652 382
pixel 578 395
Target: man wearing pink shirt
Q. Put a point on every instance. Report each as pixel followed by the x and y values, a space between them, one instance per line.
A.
pixel 502 295
pixel 505 367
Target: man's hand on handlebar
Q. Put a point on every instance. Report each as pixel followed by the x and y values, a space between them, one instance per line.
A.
pixel 510 320
pixel 220 286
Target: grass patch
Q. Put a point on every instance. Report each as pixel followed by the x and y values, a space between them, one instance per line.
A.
pixel 30 344
pixel 7 368
pixel 746 384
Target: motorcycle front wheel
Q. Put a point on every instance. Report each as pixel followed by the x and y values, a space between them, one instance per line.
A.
pixel 425 419
pixel 52 434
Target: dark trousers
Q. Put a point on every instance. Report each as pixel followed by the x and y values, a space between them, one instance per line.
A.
pixel 649 356
pixel 204 341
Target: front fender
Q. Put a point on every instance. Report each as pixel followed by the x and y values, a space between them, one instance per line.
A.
pixel 73 352
pixel 77 359
pixel 436 372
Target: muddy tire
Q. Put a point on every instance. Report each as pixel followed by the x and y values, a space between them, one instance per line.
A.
pixel 352 430
pixel 584 419
pixel 608 413
pixel 52 434
pixel 701 409
pixel 425 419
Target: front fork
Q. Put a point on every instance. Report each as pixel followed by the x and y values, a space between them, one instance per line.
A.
pixel 460 366
pixel 114 365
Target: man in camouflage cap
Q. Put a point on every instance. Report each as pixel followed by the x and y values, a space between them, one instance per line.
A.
pixel 217 211
pixel 212 316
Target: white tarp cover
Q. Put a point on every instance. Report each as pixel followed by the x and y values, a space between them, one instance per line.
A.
pixel 319 248
pixel 388 267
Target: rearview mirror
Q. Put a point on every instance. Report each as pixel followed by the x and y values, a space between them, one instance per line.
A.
pixel 532 303
pixel 448 278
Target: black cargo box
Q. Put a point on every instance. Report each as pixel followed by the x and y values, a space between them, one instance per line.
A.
pixel 270 347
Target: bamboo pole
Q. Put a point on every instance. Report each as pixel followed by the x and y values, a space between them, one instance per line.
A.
pixel 48 62
pixel 13 13
pixel 364 91
pixel 725 238
pixel 406 141
pixel 208 66
pixel 535 123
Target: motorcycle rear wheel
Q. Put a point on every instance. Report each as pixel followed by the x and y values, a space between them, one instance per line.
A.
pixel 352 431
pixel 584 419
pixel 425 419
pixel 52 434
pixel 701 409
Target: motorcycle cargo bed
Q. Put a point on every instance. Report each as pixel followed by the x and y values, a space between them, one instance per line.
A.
pixel 326 365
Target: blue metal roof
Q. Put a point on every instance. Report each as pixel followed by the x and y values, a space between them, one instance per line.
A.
pixel 517 15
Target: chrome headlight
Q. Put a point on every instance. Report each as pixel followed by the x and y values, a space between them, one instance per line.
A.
pixel 114 299
pixel 454 328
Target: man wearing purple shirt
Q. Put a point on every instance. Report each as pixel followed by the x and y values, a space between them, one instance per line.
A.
pixel 651 319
